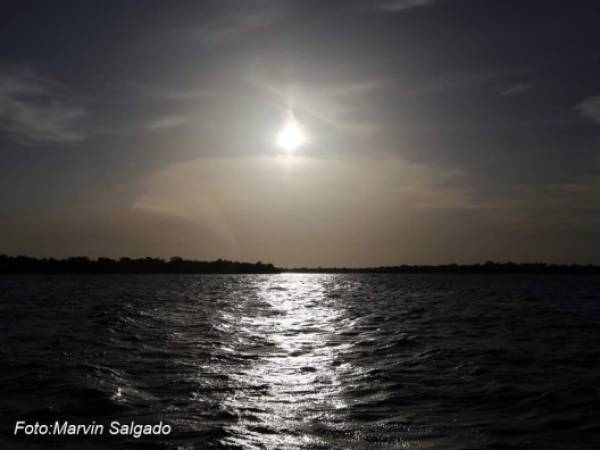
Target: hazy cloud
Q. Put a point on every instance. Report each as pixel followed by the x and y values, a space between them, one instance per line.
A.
pixel 403 5
pixel 171 93
pixel 516 89
pixel 36 110
pixel 237 24
pixel 590 108
pixel 168 122
pixel 244 203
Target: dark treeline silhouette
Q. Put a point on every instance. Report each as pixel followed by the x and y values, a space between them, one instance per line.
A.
pixel 25 264
pixel 488 267
pixel 82 264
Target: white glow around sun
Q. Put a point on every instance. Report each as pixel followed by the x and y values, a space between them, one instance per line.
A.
pixel 291 136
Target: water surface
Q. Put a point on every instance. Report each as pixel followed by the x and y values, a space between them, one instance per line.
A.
pixel 300 361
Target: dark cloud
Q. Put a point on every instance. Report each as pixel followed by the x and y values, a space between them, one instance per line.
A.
pixel 36 110
pixel 516 89
pixel 403 5
pixel 590 108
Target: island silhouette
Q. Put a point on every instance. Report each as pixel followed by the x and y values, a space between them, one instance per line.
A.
pixel 177 265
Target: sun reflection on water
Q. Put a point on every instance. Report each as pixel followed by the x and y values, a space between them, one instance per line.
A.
pixel 292 382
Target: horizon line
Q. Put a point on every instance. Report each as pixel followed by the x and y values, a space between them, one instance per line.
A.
pixel 176 264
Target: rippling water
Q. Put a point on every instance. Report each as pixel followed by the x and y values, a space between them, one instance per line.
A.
pixel 296 361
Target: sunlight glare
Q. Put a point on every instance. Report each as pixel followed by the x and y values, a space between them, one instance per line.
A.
pixel 291 136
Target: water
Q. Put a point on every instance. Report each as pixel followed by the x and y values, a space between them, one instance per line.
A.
pixel 305 361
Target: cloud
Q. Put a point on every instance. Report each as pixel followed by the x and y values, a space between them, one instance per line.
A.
pixel 516 89
pixel 238 22
pixel 590 108
pixel 165 123
pixel 288 210
pixel 175 94
pixel 34 109
pixel 403 5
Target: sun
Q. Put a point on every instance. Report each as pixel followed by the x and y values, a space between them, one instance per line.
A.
pixel 291 136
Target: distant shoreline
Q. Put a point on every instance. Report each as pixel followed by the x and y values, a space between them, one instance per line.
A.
pixel 176 265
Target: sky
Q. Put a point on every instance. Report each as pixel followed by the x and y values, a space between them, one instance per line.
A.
pixel 448 131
